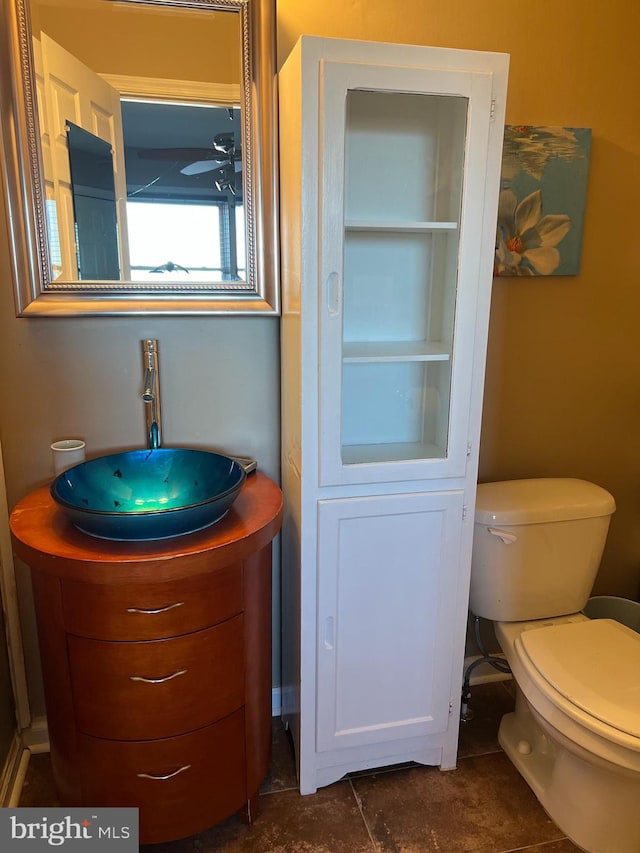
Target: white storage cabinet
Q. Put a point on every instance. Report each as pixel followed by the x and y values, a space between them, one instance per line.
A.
pixel 390 167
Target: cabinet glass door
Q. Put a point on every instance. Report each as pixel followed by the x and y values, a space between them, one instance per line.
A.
pixel 392 303
pixel 403 187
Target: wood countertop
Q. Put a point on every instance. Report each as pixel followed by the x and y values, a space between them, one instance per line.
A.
pixel 46 540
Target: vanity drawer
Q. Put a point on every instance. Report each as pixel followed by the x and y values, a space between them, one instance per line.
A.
pixel 152 610
pixel 158 688
pixel 181 785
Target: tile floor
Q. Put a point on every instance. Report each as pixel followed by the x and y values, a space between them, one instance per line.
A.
pixel 482 807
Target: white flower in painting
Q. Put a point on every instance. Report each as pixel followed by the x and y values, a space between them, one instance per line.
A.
pixel 526 240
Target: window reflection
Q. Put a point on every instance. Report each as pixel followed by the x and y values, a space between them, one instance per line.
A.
pixel 185 242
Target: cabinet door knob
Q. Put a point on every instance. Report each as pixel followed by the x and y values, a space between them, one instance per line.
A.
pixel 159 610
pixel 158 680
pixel 163 778
pixel 328 633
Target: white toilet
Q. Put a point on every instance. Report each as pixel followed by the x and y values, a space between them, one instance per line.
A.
pixel 575 733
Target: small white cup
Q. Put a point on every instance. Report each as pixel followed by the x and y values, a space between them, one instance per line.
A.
pixel 67 453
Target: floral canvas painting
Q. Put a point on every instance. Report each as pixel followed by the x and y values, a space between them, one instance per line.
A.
pixel 542 200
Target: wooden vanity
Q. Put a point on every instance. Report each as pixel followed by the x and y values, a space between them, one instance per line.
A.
pixel 156 660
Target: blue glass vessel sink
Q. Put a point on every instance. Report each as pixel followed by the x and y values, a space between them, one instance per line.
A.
pixel 148 494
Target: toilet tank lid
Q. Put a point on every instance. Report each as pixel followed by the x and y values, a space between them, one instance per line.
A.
pixel 540 500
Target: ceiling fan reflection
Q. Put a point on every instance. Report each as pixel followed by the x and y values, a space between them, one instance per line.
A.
pixel 223 159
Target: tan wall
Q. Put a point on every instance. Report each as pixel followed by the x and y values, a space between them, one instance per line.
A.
pixel 563 378
pixel 151 42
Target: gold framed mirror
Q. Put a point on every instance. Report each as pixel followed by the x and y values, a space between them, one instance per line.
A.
pixel 139 156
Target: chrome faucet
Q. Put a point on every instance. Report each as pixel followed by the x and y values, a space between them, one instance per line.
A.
pixel 151 393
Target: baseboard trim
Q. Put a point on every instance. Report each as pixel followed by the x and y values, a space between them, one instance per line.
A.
pixel 276 702
pixel 13 772
pixel 485 673
pixel 35 738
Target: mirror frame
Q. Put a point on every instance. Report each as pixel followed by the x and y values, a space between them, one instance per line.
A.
pixel 35 294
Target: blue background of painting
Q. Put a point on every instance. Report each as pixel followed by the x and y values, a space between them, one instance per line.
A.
pixel 564 190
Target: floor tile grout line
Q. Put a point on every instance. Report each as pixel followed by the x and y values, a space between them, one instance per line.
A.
pixel 278 791
pixel 538 846
pixel 479 754
pixel 356 797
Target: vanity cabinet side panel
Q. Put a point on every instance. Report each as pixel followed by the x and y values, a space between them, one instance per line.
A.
pixel 299 120
pixel 257 671
pixel 57 686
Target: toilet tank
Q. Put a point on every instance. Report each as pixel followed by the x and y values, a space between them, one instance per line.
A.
pixel 537 546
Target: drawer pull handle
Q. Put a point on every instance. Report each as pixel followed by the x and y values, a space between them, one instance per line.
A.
pixel 158 680
pixel 163 778
pixel 152 612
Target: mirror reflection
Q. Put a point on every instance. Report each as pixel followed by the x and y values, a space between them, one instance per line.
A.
pixel 185 213
pixel 161 88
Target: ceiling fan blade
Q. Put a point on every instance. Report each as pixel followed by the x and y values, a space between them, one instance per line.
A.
pixel 200 166
pixel 176 155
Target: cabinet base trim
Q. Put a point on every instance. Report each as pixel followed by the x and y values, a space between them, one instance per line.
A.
pixel 309 783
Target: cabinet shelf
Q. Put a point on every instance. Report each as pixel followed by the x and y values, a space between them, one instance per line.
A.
pixel 362 352
pixel 355 454
pixel 400 226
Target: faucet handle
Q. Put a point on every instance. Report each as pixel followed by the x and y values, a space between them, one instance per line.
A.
pixel 250 465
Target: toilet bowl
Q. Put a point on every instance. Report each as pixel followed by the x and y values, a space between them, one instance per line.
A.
pixel 575 733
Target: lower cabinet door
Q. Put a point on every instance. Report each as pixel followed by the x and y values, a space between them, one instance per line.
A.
pixel 181 785
pixel 388 569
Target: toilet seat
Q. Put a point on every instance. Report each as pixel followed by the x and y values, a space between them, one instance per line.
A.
pixel 590 670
